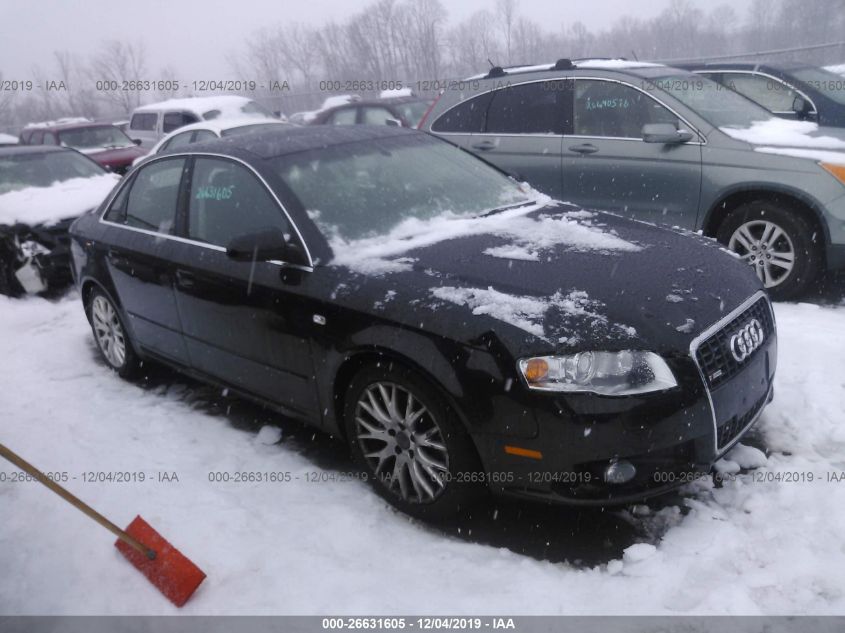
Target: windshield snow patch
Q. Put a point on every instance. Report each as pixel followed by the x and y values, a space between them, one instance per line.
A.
pixel 525 237
pixel 575 310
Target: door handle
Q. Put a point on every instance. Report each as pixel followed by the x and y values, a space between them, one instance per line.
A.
pixel 185 279
pixel 584 148
pixel 484 145
pixel 116 259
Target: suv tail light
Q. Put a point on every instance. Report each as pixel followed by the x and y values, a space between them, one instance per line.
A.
pixel 430 108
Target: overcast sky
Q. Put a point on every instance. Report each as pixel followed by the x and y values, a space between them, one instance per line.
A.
pixel 197 37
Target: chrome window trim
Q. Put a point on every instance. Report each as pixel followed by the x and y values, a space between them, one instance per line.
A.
pixel 186 240
pixel 703 336
pixel 734 71
pixel 702 140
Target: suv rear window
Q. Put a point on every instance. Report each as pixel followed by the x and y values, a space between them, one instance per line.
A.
pixel 533 108
pixel 145 121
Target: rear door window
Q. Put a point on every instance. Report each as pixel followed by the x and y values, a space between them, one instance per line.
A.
pixel 346 116
pixel 152 200
pixel 179 140
pixel 375 115
pixel 533 108
pixel 227 200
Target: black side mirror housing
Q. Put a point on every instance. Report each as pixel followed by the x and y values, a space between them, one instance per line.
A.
pixel 665 133
pixel 137 141
pixel 266 245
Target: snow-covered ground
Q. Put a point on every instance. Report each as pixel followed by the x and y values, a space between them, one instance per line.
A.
pixel 753 546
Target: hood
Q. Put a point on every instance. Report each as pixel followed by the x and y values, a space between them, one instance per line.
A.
pixel 114 156
pixel 557 278
pixel 61 200
pixel 801 139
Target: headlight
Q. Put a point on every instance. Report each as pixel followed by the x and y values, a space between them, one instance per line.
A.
pixel 837 171
pixel 607 373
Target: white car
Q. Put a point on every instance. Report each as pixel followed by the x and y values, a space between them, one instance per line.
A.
pixel 151 122
pixel 210 130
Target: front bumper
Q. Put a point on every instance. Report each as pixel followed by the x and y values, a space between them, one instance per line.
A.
pixel 671 438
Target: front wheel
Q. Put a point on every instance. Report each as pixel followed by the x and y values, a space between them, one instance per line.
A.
pixel 110 334
pixel 412 446
pixel 778 243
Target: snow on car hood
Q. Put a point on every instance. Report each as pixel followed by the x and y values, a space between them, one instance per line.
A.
pixel 527 237
pixel 67 199
pixel 801 139
pixel 560 277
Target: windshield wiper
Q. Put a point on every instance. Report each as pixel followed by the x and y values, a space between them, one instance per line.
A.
pixel 505 208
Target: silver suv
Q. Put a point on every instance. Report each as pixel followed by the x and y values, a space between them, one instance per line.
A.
pixel 666 146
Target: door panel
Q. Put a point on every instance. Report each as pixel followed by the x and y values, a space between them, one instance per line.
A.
pixel 138 256
pixel 243 322
pixel 523 133
pixel 607 165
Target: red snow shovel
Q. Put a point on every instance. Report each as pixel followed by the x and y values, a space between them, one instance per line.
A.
pixel 163 565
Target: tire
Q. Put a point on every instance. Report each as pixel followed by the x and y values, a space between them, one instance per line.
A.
pixel 769 236
pixel 423 467
pixel 110 335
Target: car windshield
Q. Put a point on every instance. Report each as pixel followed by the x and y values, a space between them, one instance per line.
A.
pixel 362 190
pixel 20 171
pixel 412 112
pixel 718 105
pixel 106 136
pixel 831 84
pixel 257 127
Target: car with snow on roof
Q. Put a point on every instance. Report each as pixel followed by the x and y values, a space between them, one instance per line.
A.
pixel 666 146
pixel 461 332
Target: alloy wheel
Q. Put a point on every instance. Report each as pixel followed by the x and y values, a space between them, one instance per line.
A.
pixel 767 248
pixel 109 332
pixel 401 442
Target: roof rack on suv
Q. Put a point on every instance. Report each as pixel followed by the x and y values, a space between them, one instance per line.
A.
pixel 499 71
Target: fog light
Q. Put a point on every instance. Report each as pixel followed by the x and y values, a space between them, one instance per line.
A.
pixel 619 472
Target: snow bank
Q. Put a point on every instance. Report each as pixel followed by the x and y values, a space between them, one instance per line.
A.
pixel 528 237
pixel 754 546
pixel 61 200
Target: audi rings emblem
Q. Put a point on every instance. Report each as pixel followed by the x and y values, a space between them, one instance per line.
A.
pixel 749 337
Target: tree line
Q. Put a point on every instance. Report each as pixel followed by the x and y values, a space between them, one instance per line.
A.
pixel 414 40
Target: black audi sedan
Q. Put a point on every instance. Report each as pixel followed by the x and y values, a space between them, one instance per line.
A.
pixel 457 329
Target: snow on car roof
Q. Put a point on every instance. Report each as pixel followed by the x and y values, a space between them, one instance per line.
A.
pixel 220 125
pixel 7 138
pixel 229 105
pixel 71 120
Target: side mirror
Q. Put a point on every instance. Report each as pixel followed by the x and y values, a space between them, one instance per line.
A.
pixel 665 133
pixel 137 141
pixel 393 122
pixel 263 246
pixel 802 107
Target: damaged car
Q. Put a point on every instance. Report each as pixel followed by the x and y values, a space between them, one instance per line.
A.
pixel 42 191
pixel 460 331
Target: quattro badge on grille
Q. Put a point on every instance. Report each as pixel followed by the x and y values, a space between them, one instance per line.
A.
pixel 749 337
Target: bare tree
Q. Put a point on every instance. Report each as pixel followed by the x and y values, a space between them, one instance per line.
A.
pixel 506 12
pixel 119 61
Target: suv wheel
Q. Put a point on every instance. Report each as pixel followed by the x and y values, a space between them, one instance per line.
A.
pixel 777 242
pixel 110 334
pixel 414 450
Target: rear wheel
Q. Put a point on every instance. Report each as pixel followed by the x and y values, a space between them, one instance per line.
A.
pixel 777 242
pixel 415 451
pixel 110 334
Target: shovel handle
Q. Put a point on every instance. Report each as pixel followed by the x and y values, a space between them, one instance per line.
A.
pixel 76 502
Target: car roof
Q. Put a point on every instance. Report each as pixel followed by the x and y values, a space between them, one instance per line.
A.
pixel 746 65
pixel 564 65
pixel 14 150
pixel 197 105
pixel 294 140
pixel 220 125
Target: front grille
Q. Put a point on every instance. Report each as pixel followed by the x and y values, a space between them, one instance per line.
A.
pixel 729 430
pixel 714 355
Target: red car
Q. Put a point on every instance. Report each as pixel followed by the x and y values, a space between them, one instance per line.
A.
pixel 101 142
